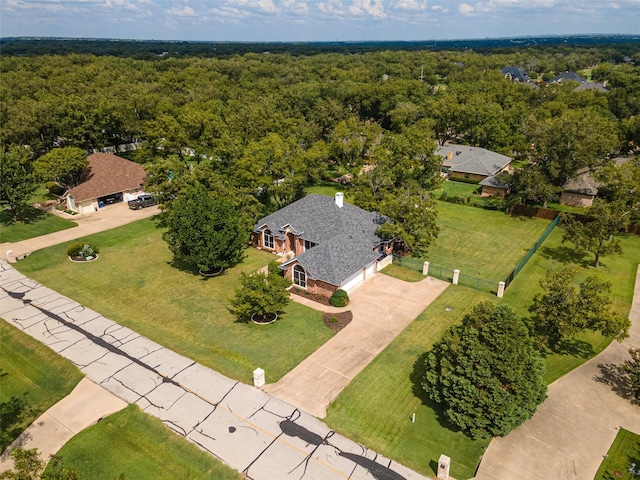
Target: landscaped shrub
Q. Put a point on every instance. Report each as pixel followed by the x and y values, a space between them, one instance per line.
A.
pixel 339 298
pixel 492 203
pixel 54 188
pixel 82 250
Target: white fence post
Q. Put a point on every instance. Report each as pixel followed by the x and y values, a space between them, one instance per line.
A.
pixel 425 268
pixel 456 276
pixel 501 286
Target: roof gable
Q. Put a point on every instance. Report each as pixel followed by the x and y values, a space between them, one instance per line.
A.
pixel 108 174
pixel 476 160
pixel 345 237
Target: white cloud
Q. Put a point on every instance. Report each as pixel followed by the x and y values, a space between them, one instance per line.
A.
pixel 465 9
pixel 332 7
pixel 186 11
pixel 373 8
pixel 439 8
pixel 411 5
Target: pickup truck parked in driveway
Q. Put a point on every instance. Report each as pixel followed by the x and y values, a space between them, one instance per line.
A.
pixel 141 202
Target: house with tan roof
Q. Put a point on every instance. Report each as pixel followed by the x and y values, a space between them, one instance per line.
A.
pixel 108 179
pixel 326 243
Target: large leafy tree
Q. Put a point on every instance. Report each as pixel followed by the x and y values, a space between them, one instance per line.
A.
pixel 65 166
pixel 621 183
pixel 566 308
pixel 570 140
pixel 486 373
pixel 597 235
pixel 261 295
pixel 631 369
pixel 204 230
pixel 17 180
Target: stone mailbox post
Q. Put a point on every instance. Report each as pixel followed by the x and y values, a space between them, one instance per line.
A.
pixel 443 467
pixel 258 378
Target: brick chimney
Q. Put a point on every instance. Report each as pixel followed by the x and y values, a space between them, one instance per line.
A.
pixel 449 155
pixel 339 199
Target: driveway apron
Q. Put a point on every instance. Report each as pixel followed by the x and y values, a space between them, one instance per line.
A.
pixel 382 307
pixel 248 429
pixel 572 430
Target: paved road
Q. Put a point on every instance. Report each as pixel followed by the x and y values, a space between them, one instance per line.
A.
pixel 382 307
pixel 573 429
pixel 248 429
pixel 106 218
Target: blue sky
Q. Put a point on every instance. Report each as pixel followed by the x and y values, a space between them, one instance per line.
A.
pixel 315 20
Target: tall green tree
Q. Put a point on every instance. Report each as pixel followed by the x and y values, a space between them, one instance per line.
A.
pixel 597 235
pixel 17 180
pixel 631 369
pixel 261 295
pixel 486 373
pixel 566 308
pixel 621 183
pixel 571 140
pixel 205 231
pixel 65 166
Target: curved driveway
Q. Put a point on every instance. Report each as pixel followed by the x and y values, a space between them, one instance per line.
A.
pixel 572 430
pixel 382 308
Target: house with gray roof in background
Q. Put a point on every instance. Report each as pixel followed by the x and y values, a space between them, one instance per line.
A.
pixel 515 74
pixel 475 164
pixel 327 244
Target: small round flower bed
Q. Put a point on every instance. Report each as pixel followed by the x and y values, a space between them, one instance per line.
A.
pixel 82 252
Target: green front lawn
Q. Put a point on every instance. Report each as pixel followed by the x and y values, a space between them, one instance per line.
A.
pixel 482 243
pixel 33 224
pixel 132 443
pixel 620 270
pixel 330 189
pixel 624 451
pixel 376 407
pixel 135 284
pixel 32 379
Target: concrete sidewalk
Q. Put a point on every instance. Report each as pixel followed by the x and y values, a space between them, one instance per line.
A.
pixel 382 307
pixel 248 429
pixel 106 218
pixel 572 430
pixel 86 405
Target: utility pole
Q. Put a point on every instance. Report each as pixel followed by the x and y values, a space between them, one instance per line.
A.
pixel 422 74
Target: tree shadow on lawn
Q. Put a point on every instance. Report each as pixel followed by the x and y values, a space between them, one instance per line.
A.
pixel 574 348
pixel 565 254
pixel 27 215
pixel 416 376
pixel 613 376
pixel 193 270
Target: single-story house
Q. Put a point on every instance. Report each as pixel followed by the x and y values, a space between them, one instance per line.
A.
pixel 475 163
pixel 328 244
pixel 567 77
pixel 515 74
pixel 108 179
pixel 580 190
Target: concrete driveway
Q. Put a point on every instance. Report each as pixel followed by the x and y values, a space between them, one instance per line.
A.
pixel 87 404
pixel 248 429
pixel 572 430
pixel 110 216
pixel 382 307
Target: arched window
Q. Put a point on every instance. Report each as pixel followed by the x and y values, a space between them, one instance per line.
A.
pixel 299 276
pixel 268 240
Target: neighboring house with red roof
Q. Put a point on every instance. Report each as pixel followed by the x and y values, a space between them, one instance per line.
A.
pixel 108 179
pixel 328 244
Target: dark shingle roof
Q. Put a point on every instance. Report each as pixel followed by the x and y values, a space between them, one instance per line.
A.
pixel 592 86
pixel 345 237
pixel 515 74
pixel 493 181
pixel 567 77
pixel 108 174
pixel 583 182
pixel 474 160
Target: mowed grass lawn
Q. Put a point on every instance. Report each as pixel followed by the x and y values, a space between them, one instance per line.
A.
pixel 134 283
pixel 32 379
pixel 35 223
pixel 624 451
pixel 482 243
pixel 619 270
pixel 376 408
pixel 132 443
